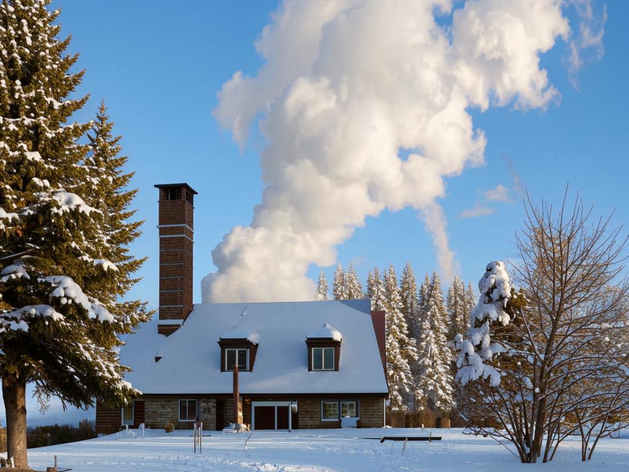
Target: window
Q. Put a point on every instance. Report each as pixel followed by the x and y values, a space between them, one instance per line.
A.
pixel 236 356
pixel 127 414
pixel 349 409
pixel 322 358
pixel 187 410
pixel 329 411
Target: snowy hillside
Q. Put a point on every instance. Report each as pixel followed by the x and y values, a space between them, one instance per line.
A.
pixel 314 451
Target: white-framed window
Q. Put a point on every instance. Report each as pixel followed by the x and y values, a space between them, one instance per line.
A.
pixel 187 410
pixel 322 358
pixel 329 411
pixel 349 409
pixel 235 356
pixel 128 414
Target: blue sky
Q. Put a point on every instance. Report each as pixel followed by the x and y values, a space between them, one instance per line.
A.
pixel 159 64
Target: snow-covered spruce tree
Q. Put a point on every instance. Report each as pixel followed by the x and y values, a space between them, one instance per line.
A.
pixel 53 331
pixel 322 287
pixel 375 290
pixel 339 290
pixel 401 349
pixel 353 288
pixel 110 270
pixel 434 381
pixel 457 305
pixel 470 302
pixel 410 300
pixel 495 366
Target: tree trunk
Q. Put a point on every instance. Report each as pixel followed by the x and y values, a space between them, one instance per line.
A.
pixel 14 393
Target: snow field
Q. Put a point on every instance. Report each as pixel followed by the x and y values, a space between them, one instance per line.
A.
pixel 314 451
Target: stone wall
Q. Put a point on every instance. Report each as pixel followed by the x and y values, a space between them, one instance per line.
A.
pixel 158 412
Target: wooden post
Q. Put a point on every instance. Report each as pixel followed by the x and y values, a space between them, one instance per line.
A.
pixel 237 409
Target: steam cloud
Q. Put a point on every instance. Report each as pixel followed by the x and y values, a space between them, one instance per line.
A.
pixel 348 86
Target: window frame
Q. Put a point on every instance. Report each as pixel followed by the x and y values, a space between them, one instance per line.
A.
pixel 323 363
pixel 122 410
pixel 237 349
pixel 331 402
pixel 196 410
pixel 356 406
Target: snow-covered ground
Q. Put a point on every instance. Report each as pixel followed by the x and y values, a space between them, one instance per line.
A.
pixel 314 451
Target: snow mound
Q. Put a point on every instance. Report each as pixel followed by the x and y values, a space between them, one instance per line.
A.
pixel 326 332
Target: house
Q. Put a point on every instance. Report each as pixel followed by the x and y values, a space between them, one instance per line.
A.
pixel 300 364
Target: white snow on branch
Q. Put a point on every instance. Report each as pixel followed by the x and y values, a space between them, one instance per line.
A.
pixel 14 271
pixel 6 216
pixel 68 291
pixel 13 320
pixel 69 201
pixel 105 264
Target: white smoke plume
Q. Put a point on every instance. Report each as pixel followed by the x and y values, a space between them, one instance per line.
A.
pixel 347 88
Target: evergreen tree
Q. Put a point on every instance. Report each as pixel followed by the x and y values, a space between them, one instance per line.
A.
pixel 401 350
pixel 458 308
pixel 375 290
pixel 410 300
pixel 339 290
pixel 434 378
pixel 55 330
pixel 424 304
pixel 322 287
pixel 110 269
pixel 470 299
pixel 352 284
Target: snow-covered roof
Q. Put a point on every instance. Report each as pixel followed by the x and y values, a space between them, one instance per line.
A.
pixel 326 332
pixel 242 333
pixel 190 357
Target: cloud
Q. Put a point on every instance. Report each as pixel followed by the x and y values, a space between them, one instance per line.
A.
pixel 498 194
pixel 587 43
pixel 476 212
pixel 348 87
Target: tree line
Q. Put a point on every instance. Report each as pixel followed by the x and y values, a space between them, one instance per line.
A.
pixel 420 329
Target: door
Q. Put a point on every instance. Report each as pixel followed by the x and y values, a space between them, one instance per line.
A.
pixel 274 415
pixel 264 417
pixel 220 415
pixel 282 417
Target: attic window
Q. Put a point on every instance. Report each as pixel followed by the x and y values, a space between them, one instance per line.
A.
pixel 324 349
pixel 238 347
pixel 323 358
pixel 235 356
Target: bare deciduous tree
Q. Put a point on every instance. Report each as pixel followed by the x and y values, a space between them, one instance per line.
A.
pixel 561 356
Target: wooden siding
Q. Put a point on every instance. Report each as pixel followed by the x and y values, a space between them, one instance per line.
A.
pixel 108 420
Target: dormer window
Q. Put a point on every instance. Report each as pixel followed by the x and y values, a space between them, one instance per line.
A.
pixel 323 358
pixel 238 348
pixel 236 356
pixel 324 349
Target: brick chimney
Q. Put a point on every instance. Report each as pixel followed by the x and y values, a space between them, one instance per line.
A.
pixel 176 231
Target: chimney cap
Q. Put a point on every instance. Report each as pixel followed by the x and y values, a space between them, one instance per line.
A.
pixel 160 186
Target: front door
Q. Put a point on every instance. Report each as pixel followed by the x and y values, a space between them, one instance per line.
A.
pixel 264 417
pixel 273 415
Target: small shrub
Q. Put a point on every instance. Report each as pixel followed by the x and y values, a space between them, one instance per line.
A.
pixel 169 427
